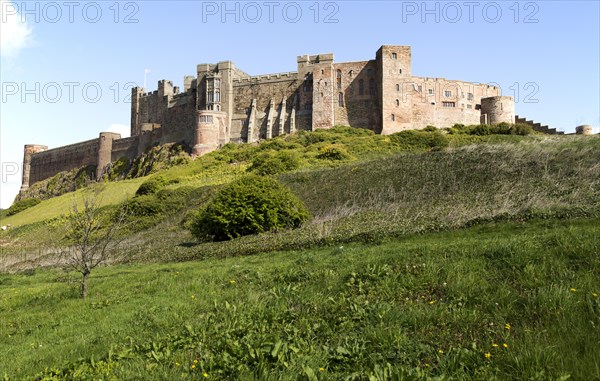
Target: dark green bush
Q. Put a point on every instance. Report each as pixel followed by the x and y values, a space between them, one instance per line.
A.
pixel 151 186
pixel 522 129
pixel 145 206
pixel 430 129
pixel 21 205
pixel 336 152
pixel 271 163
pixel 414 139
pixel 250 205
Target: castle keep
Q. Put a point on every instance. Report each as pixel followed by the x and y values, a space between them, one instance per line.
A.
pixel 222 104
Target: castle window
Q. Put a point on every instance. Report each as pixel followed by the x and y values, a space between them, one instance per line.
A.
pixel 397 87
pixel 217 96
pixel 339 79
pixel 397 102
pixel 420 88
pixel 447 93
pixel 351 73
pixel 430 91
pixel 322 71
pixel 217 83
pixel 393 118
pixel 463 95
pixel 400 71
pixel 470 96
pixel 341 99
pixel 371 86
pixel 394 56
pixel 361 87
pixel 448 104
pixel 469 106
pixel 211 97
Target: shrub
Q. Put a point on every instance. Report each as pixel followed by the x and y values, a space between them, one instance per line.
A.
pixel 522 129
pixel 414 139
pixel 270 163
pixel 250 205
pixel 430 129
pixel 334 152
pixel 21 205
pixel 145 206
pixel 151 186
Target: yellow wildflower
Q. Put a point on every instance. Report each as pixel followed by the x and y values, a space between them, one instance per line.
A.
pixel 507 326
pixel 495 345
pixel 193 366
pixel 573 289
pixel 205 374
pixel 594 295
pixel 488 355
pixel 232 281
pixel 441 351
pixel 505 345
pixel 321 369
pixel 432 302
pixel 195 361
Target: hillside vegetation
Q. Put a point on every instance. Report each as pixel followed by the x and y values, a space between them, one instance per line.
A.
pixel 465 254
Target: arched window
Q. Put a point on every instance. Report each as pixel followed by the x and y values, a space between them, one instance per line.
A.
pixel 393 118
pixel 397 87
pixel 361 87
pixel 341 99
pixel 397 102
pixel 339 79
pixel 400 71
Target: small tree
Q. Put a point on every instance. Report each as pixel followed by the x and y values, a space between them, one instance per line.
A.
pixel 91 233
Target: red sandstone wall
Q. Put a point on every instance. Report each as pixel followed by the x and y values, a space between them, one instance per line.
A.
pixel 357 110
pixel 48 163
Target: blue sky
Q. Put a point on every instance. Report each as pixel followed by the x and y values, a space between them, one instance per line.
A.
pixel 67 67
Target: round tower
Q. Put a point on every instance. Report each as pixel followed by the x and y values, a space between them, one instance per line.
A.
pixel 105 141
pixel 210 127
pixel 498 109
pixel 584 129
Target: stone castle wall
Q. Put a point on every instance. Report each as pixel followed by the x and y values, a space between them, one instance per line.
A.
pixel 224 104
pixel 48 163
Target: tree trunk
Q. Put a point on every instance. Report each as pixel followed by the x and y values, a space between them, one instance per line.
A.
pixel 84 287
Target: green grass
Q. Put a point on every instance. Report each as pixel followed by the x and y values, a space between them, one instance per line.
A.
pixel 423 306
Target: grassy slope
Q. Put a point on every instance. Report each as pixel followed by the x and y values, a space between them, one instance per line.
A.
pixel 429 305
pixel 347 310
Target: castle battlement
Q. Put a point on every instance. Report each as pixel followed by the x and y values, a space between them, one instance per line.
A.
pixel 222 104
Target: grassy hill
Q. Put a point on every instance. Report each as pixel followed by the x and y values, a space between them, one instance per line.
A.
pixel 500 301
pixel 425 254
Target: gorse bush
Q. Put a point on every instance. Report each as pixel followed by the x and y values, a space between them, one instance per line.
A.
pixel 270 163
pixel 414 139
pixel 492 129
pixel 250 205
pixel 152 185
pixel 334 152
pixel 21 205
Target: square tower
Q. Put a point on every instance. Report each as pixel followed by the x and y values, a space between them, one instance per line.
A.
pixel 394 78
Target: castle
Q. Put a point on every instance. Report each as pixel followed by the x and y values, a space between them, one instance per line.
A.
pixel 222 104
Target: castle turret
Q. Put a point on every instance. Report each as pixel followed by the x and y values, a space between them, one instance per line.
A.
pixel 29 150
pixel 105 143
pixel 500 109
pixel 136 94
pixel 210 125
